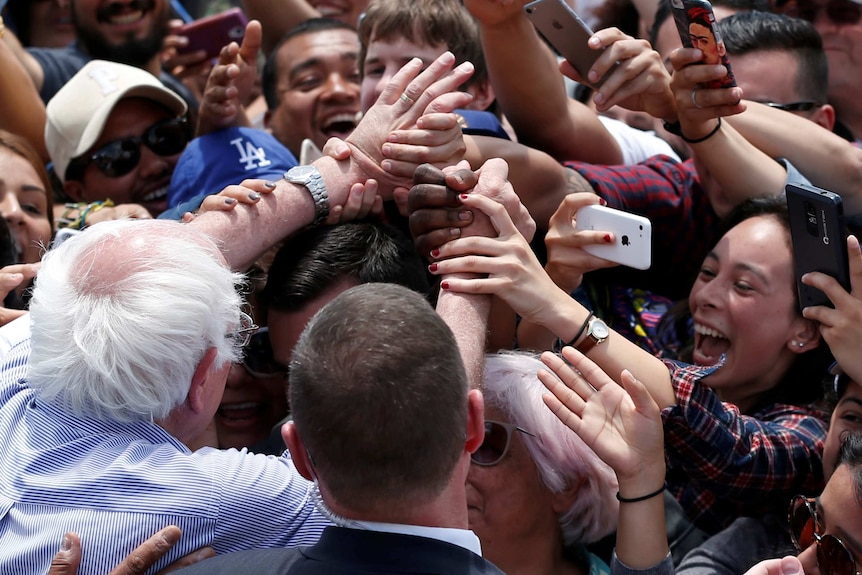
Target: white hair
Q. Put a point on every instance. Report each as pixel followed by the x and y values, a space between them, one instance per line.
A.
pixel 562 459
pixel 123 313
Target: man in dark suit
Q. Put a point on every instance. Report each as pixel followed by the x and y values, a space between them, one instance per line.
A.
pixel 384 424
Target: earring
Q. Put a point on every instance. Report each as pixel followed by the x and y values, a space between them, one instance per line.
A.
pixel 798 343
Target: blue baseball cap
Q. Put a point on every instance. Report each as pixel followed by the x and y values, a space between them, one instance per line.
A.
pixel 212 162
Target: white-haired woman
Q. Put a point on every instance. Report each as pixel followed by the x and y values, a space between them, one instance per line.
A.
pixel 536 493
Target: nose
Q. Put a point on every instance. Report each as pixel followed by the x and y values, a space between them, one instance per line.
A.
pixel 808 558
pixel 709 293
pixel 237 377
pixel 11 210
pixel 153 166
pixel 340 88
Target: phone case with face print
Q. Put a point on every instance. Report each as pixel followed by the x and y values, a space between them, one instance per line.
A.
pixel 699 12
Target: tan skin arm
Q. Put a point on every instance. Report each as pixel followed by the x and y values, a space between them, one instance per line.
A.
pixel 279 16
pixel 23 109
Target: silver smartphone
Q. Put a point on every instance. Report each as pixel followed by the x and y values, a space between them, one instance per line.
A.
pixel 633 244
pixel 566 32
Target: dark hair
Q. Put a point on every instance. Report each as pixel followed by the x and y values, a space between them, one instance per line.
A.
pixel 316 259
pixel 851 456
pixel 269 76
pixel 378 393
pixel 756 31
pixel 425 23
pixel 803 383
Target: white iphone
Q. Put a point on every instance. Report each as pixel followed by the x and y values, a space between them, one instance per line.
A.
pixel 632 246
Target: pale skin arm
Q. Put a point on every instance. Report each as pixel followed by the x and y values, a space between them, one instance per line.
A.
pixel 517 277
pixel 246 231
pixel 741 169
pixel 530 89
pixel 622 424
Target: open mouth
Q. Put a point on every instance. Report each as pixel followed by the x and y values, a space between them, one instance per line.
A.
pixel 240 414
pixel 709 345
pixel 119 14
pixel 340 125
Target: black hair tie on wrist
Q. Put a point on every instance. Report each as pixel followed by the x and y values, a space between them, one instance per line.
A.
pixel 622 499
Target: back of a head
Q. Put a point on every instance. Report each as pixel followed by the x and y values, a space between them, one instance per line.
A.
pixel 851 456
pixel 756 31
pixel 363 251
pixel 122 314
pixel 562 459
pixel 378 394
pixel 426 23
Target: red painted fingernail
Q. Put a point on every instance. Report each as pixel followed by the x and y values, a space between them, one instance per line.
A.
pixel 444 285
pixel 435 253
pixel 432 268
pixel 603 202
pixel 463 196
pixel 607 238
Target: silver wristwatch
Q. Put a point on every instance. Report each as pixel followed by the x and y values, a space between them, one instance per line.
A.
pixel 310 177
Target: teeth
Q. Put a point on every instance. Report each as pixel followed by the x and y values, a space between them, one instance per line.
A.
pixel 703 330
pixel 238 406
pixel 155 195
pixel 129 18
pixel 345 117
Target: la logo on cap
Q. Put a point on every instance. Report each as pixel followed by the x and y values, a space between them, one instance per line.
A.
pixel 106 78
pixel 250 155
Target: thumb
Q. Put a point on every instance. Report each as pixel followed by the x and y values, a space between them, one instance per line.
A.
pixel 790 566
pixel 68 558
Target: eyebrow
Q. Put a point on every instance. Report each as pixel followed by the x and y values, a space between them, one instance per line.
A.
pixel 855 400
pixel 32 188
pixel 315 62
pixel 743 267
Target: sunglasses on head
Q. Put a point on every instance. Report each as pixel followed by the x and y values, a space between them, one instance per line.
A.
pixel 495 445
pixel 118 158
pixel 257 356
pixel 840 12
pixel 801 106
pixel 833 557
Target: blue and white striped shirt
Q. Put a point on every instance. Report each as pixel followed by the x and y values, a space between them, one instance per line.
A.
pixel 115 484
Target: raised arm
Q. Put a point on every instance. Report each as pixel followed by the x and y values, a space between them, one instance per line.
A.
pixel 280 16
pixel 23 109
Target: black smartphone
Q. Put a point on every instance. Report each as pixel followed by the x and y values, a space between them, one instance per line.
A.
pixel 819 239
pixel 213 33
pixel 695 22
pixel 566 32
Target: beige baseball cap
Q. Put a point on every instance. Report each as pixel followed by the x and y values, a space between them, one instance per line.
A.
pixel 79 110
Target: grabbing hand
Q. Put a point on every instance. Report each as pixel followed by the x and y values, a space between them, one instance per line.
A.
pixel 12 277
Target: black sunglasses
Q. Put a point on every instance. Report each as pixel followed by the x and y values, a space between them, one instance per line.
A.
pixel 495 445
pixel 257 356
pixel 833 557
pixel 840 12
pixel 118 158
pixel 802 106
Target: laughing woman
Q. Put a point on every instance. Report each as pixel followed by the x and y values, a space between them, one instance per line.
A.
pixel 742 433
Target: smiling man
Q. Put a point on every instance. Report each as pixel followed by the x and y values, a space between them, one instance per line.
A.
pixel 129 32
pixel 115 132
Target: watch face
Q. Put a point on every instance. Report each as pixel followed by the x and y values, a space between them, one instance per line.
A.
pixel 299 173
pixel 600 329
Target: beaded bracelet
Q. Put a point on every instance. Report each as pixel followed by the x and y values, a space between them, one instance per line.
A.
pixel 84 209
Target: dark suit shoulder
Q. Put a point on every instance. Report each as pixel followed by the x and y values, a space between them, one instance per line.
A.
pixel 253 561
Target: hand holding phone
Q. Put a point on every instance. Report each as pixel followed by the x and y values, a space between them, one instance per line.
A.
pixel 819 241
pixel 633 235
pixel 213 33
pixel 695 22
pixel 566 32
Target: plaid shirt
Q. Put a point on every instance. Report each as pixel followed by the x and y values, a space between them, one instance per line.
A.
pixel 669 193
pixel 723 464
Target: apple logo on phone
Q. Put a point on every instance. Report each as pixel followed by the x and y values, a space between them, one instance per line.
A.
pixel 556 24
pixel 625 241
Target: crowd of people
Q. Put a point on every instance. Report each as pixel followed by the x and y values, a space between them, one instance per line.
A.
pixel 321 304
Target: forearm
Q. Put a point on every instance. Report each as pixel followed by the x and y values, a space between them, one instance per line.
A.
pixel 467 317
pixel 278 16
pixel 23 110
pixel 826 159
pixel 249 230
pixel 742 170
pixel 530 89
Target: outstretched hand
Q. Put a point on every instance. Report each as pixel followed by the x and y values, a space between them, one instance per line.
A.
pixel 621 424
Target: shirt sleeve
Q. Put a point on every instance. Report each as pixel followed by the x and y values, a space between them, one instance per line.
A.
pixel 663 568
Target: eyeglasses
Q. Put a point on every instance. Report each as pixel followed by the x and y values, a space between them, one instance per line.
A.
pixel 257 356
pixel 801 106
pixel 840 12
pixel 495 445
pixel 833 557
pixel 118 158
pixel 247 328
